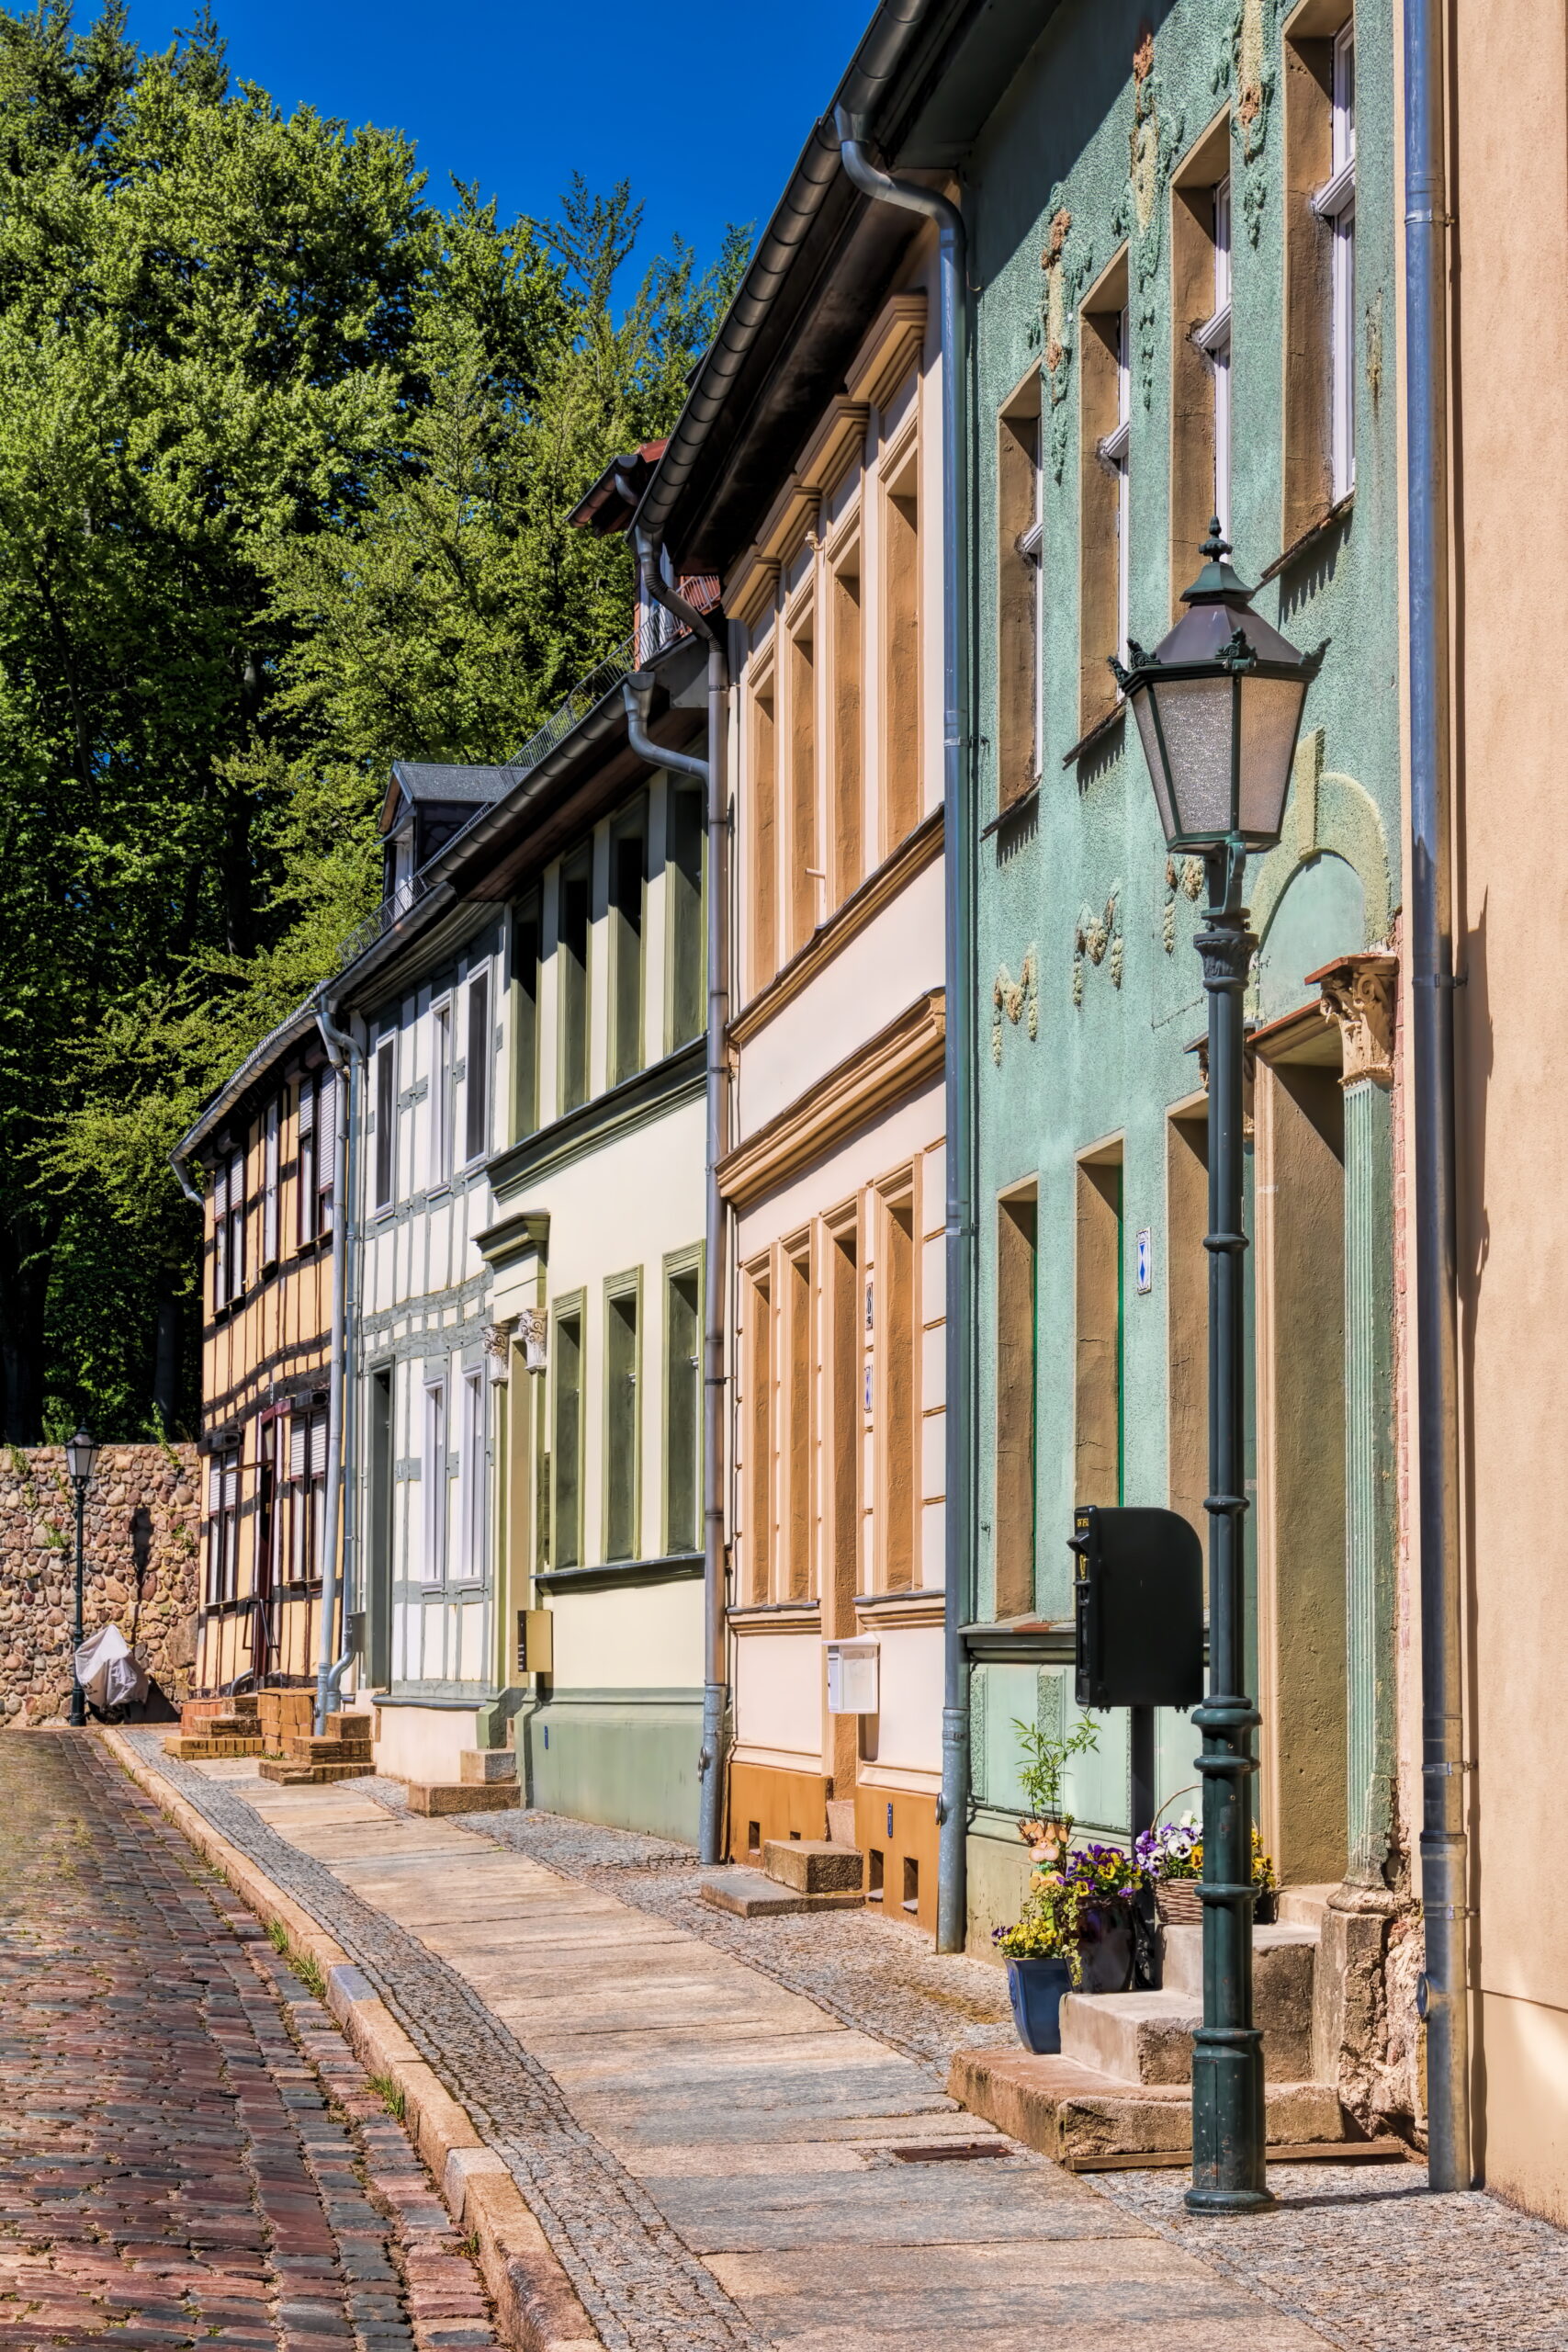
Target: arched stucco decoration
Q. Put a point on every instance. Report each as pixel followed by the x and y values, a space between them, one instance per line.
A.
pixel 1324 812
pixel 1321 914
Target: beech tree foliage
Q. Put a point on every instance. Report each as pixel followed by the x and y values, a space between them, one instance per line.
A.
pixel 286 455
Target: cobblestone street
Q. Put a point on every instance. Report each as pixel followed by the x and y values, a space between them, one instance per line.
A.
pixel 189 2153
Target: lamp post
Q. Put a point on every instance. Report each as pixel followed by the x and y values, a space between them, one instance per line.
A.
pixel 1219 708
pixel 79 1455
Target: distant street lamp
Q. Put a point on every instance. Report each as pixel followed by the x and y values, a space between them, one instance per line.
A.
pixel 1219 708
pixel 80 1453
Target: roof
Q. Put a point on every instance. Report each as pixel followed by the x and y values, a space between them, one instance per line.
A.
pixel 273 1048
pixel 609 504
pixel 417 780
pixel 924 81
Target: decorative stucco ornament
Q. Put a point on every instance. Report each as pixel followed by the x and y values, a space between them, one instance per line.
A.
pixel 1358 992
pixel 1152 146
pixel 532 1327
pixel 1018 1000
pixel 1244 69
pixel 1184 879
pixel 1066 276
pixel 496 1340
pixel 1098 939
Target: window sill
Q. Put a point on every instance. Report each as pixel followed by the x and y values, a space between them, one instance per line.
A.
pixel 1014 814
pixel 1314 532
pixel 1096 735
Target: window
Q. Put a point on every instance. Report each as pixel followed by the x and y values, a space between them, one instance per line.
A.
pixel 764 836
pixel 797 1433
pixel 571 969
pixel 1320 275
pixel 386 1174
pixel 269 1186
pixel 566 1442
pixel 1186 1280
pixel 222 1525
pixel 847 706
pixel 1018 533
pixel 474 1483
pixel 1098 1355
pixel 221 1236
pixel 1104 492
pixel 628 866
pixel 305 1164
pixel 901 656
pixel 621 1420
pixel 899 1395
pixel 525 1018
pixel 433 1472
pixel 301 1514
pixel 326 1149
pixel 684 817
pixel 803 861
pixel 1017 1325
pixel 476 1085
pixel 232 1236
pixel 683 1413
pixel 760 1436
pixel 440 1092
pixel 1214 339
pixel 1335 203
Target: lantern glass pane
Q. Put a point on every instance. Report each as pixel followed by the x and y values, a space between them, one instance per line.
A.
pixel 1196 719
pixel 1143 707
pixel 1270 716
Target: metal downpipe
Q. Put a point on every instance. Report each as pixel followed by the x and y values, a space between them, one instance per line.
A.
pixel 341 1050
pixel 1444 1991
pixel 952 1809
pixel 710 773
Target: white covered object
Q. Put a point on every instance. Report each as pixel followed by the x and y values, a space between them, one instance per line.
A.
pixel 109 1671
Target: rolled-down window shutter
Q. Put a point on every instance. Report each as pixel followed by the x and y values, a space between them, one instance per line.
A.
pixel 318 1445
pixel 269 1193
pixel 215 1484
pixel 221 1235
pixel 305 1161
pixel 299 1442
pixel 326 1149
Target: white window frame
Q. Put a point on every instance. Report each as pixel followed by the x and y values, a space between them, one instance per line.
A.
pixel 1335 204
pixel 270 1185
pixel 236 1226
pixel 433 1478
pixel 386 1107
pixel 477 1070
pixel 1115 450
pixel 1213 340
pixel 223 1525
pixel 472 1479
pixel 441 1093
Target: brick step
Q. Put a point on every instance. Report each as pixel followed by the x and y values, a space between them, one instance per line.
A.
pixel 1089 2120
pixel 432 1797
pixel 813 1865
pixel 192 1747
pixel 307 1750
pixel 354 1726
pixel 293 1775
pixel 748 1894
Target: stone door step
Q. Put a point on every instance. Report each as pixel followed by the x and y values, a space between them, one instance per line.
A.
pixel 1083 2118
pixel 431 1797
pixel 813 1865
pixel 294 1775
pixel 328 1750
pixel 750 1895
pixel 191 1747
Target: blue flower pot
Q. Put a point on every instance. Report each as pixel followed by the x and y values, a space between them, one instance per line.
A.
pixel 1035 1988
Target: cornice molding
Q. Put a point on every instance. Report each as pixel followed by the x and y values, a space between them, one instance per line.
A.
pixel 898 1058
pixel 914 853
pixel 751 587
pixel 838 439
pixel 889 351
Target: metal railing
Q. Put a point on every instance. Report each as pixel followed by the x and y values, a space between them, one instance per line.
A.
pixel 656 628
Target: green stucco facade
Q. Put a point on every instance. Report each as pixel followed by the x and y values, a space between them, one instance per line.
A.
pixel 1090 995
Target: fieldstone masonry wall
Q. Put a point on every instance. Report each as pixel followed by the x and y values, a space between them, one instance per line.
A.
pixel 142 1551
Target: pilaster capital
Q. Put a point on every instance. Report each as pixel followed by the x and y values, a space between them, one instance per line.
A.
pixel 1358 992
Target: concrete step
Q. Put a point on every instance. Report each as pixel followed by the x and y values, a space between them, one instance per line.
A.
pixel 483 1767
pixel 1089 2121
pixel 749 1895
pixel 1282 1962
pixel 1147 2036
pixel 842 1820
pixel 813 1865
pixel 1303 1907
pixel 432 1797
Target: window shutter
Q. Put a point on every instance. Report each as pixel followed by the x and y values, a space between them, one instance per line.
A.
pixel 269 1194
pixel 299 1440
pixel 318 1445
pixel 231 1481
pixel 307 1106
pixel 215 1484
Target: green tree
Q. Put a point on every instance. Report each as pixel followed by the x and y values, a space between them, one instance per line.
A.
pixel 285 456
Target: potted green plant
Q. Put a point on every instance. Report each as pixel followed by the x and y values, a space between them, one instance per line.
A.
pixel 1046 1827
pixel 1041 1949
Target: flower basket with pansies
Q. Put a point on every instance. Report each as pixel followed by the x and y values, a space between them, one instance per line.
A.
pixel 1170 1857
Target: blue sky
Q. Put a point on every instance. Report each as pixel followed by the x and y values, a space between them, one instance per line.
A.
pixel 516 96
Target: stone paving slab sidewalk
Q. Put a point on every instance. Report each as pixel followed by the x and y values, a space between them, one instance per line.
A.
pixel 190 2154
pixel 702 2114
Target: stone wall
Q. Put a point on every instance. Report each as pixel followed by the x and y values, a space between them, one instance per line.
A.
pixel 141 1551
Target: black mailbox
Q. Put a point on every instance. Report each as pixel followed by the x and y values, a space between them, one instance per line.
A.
pixel 1138 1607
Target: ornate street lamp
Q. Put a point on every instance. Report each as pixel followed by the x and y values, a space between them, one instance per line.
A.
pixel 80 1454
pixel 1219 707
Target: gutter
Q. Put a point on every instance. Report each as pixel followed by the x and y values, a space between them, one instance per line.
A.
pixel 1443 1994
pixel 344 1054
pixel 716 1238
pixel 952 1806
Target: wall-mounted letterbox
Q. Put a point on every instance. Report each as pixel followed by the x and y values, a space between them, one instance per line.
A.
pixel 535 1641
pixel 1138 1608
pixel 852 1678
